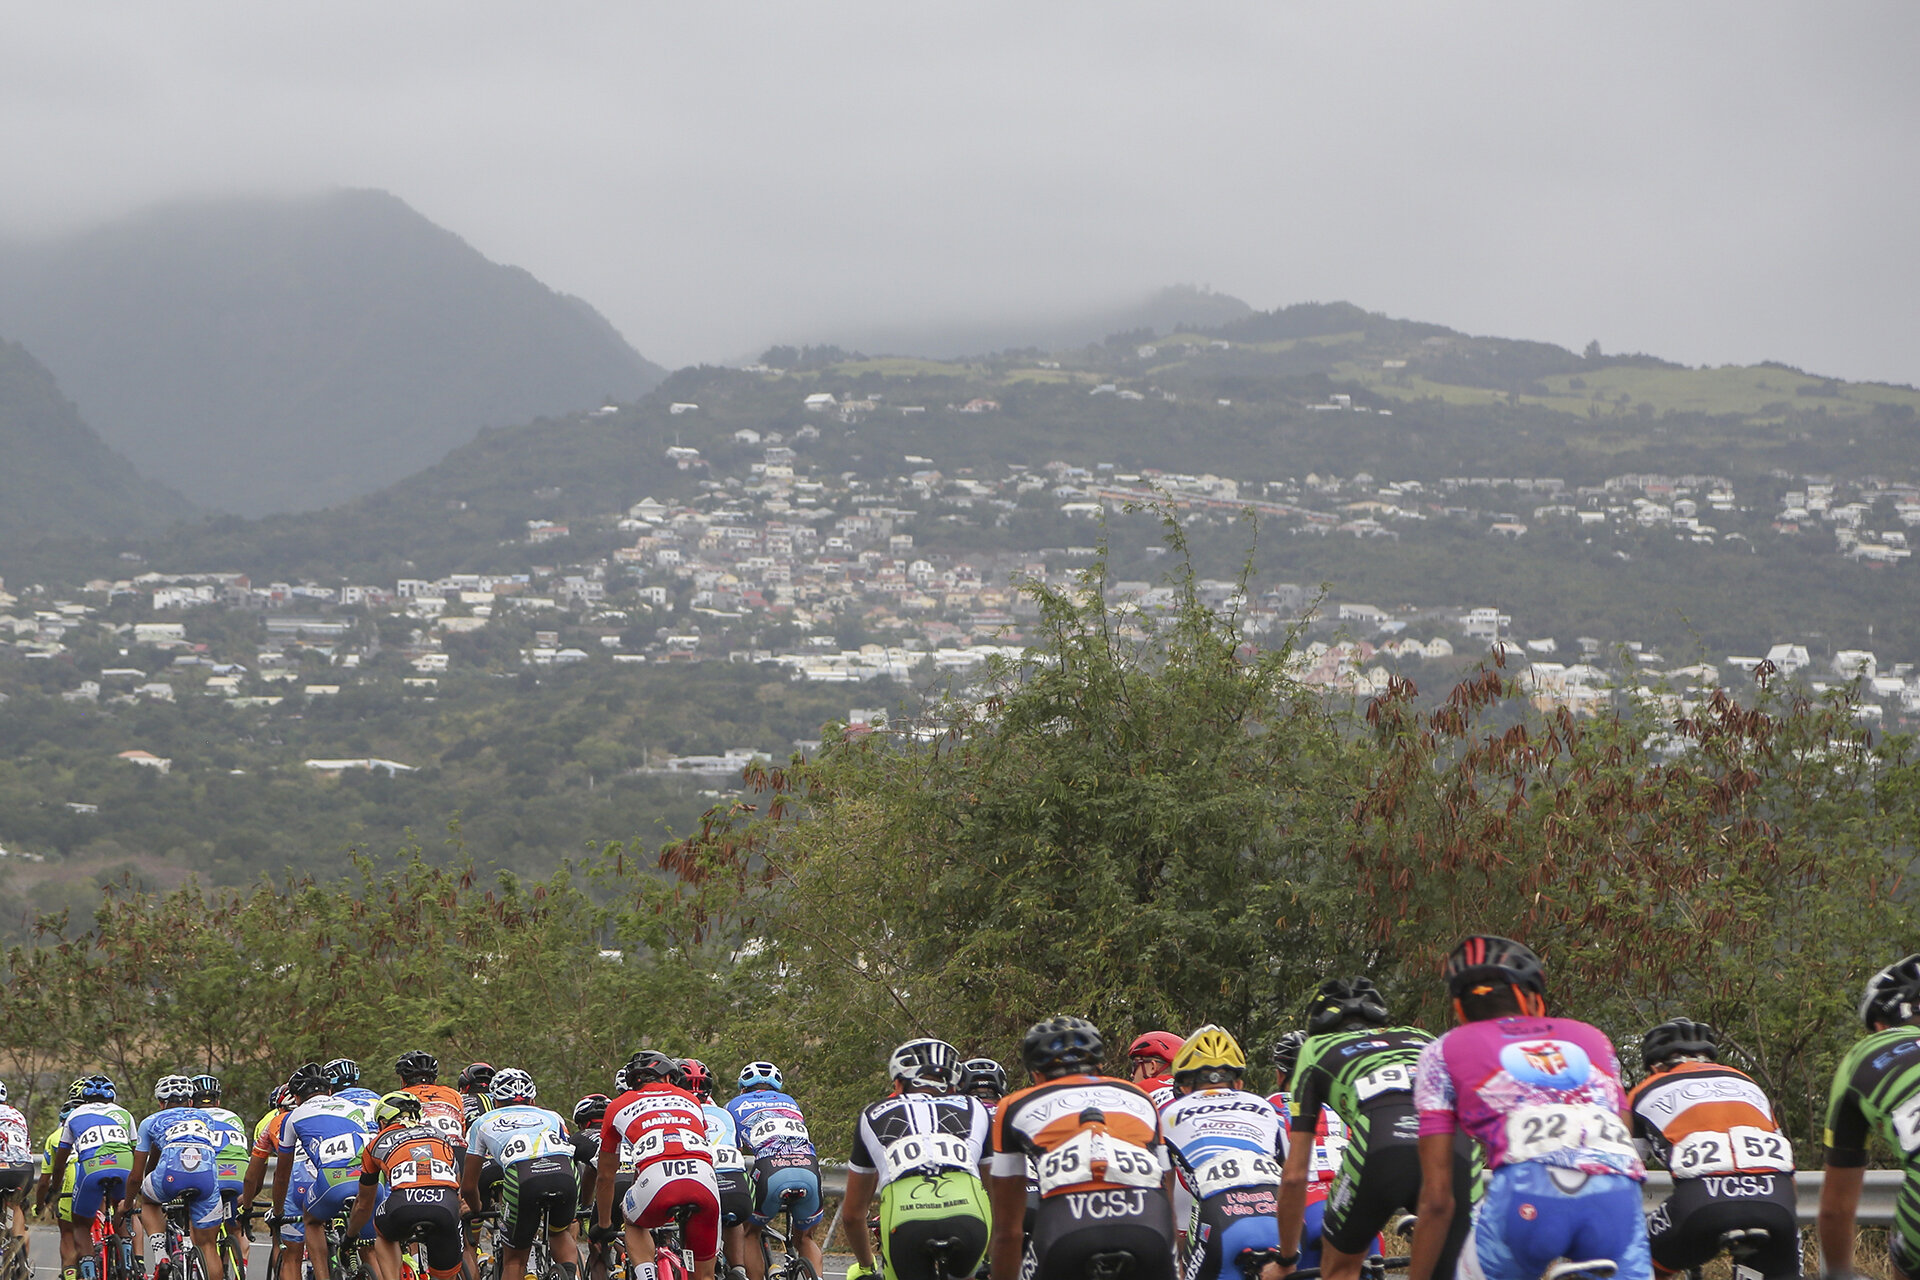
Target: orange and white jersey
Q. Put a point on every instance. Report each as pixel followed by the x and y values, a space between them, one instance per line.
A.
pixel 1701 1119
pixel 1083 1133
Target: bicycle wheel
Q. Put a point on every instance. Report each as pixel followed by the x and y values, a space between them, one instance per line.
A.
pixel 802 1269
pixel 193 1263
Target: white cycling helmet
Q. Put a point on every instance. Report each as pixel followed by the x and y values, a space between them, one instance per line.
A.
pixel 511 1084
pixel 926 1062
pixel 173 1091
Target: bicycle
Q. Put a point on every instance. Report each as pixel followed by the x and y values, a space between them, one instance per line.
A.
pixel 116 1259
pixel 540 1261
pixel 180 1257
pixel 793 1265
pixel 672 1259
pixel 233 1249
pixel 13 1254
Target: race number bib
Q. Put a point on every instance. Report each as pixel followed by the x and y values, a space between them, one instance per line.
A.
pixel 1097 1157
pixel 1539 1132
pixel 1757 1150
pixel 187 1129
pixel 1394 1078
pixel 1241 1169
pixel 726 1156
pixel 777 1129
pixel 104 1134
pixel 412 1172
pixel 925 1151
pixel 1906 1124
pixel 339 1149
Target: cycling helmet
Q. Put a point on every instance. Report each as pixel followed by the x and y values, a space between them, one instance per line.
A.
pixel 206 1088
pixel 1286 1052
pixel 699 1079
pixel 925 1062
pixel 1678 1038
pixel 677 1076
pixel 417 1066
pixel 1209 1056
pixel 511 1084
pixel 68 1107
pixel 396 1107
pixel 1482 963
pixel 1340 1000
pixel 3 1090
pixel 477 1077
pixel 620 1084
pixel 760 1075
pixel 173 1091
pixel 307 1081
pixel 95 1088
pixel 649 1065
pixel 277 1098
pixel 980 1077
pixel 1155 1044
pixel 1893 994
pixel 1060 1046
pixel 342 1073
pixel 591 1110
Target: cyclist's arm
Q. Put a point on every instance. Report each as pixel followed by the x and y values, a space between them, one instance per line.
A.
pixel 1436 1204
pixel 603 1190
pixel 139 1168
pixel 1295 1175
pixel 363 1205
pixel 470 1178
pixel 1839 1205
pixel 853 1212
pixel 55 1173
pixel 1007 1197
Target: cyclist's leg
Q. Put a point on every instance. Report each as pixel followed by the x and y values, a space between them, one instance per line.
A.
pixel 324 1203
pixel 917 1210
pixel 1229 1223
pixel 1373 1185
pixel 1313 1225
pixel 753 1255
pixel 802 1172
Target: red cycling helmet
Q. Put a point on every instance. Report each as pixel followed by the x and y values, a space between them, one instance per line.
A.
pixel 699 1079
pixel 1156 1044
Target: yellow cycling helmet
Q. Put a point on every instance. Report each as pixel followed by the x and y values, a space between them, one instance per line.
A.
pixel 396 1107
pixel 1210 1056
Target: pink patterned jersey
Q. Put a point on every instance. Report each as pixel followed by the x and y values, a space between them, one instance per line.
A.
pixel 1539 1089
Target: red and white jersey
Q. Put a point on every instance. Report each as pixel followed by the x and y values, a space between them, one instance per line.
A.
pixel 1160 1089
pixel 1330 1138
pixel 658 1122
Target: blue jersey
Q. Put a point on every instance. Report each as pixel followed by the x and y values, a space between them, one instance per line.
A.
pixel 724 1137
pixel 98 1134
pixel 769 1121
pixel 329 1132
pixel 177 1127
pixel 509 1135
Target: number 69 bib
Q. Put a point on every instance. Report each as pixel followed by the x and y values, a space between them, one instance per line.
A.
pixel 1097 1157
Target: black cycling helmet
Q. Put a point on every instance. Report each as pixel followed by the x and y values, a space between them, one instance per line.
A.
pixel 1893 994
pixel 590 1110
pixel 476 1077
pixel 1286 1051
pixel 1484 960
pixel 1342 1000
pixel 206 1088
pixel 417 1066
pixel 342 1073
pixel 648 1065
pixel 1060 1046
pixel 308 1080
pixel 982 1077
pixel 1678 1038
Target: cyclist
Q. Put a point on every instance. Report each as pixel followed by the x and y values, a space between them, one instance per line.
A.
pixel 985 1079
pixel 1105 1185
pixel 729 1166
pixel 266 1146
pixel 1329 1141
pixel 1874 1091
pixel 587 1115
pixel 409 1170
pixel 63 1205
pixel 1542 1095
pixel 17 1162
pixel 920 1148
pixel 343 1077
pixel 331 1134
pixel 774 1134
pixel 532 1148
pixel 673 1166
pixel 173 1159
pixel 96 1138
pixel 1358 1065
pixel 1150 1062
pixel 1732 1167
pixel 1223 1141
pixel 230 1165
pixel 441 1107
pixel 475 1079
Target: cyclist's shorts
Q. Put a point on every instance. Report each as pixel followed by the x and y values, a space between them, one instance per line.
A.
pixel 1228 1222
pixel 186 1173
pixel 231 1171
pixel 1075 1225
pixel 536 1192
pixel 491 1176
pixel 17 1176
pixel 1378 1182
pixel 1684 1231
pixel 436 1210
pixel 1533 1213
pixel 773 1174
pixel 918 1210
pixel 325 1203
pixel 293 1229
pixel 662 1186
pixel 91 1187
pixel 736 1196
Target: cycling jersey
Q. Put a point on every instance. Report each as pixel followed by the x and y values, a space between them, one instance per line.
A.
pixel 1223 1142
pixel 180 1144
pixel 16 1143
pixel 1158 1088
pixel 63 1204
pixel 330 1133
pixel 365 1099
pixel 510 1135
pixel 673 1163
pixel 417 1172
pixel 774 1132
pixel 230 1162
pixel 538 1186
pixel 1543 1097
pixel 729 1165
pixel 1702 1119
pixel 924 1151
pixel 404 1156
pixel 1876 1089
pixel 443 1108
pixel 1329 1138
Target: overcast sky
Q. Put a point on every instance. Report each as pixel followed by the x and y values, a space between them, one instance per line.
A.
pixel 1709 182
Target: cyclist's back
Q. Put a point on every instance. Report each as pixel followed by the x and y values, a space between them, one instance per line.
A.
pixel 1542 1096
pixel 673 1163
pixel 1102 1166
pixel 774 1132
pixel 1223 1141
pixel 1713 1127
pixel 17 1162
pixel 413 1170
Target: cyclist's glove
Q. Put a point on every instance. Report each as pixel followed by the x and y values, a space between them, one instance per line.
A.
pixel 857 1272
pixel 601 1235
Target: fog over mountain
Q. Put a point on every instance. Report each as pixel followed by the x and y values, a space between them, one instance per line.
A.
pixel 283 354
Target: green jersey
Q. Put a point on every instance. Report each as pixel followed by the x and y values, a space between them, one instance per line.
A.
pixel 1877 1090
pixel 1366 1076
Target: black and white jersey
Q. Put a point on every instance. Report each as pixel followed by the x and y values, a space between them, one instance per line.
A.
pixel 920 1133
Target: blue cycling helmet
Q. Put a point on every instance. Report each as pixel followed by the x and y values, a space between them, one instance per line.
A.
pixel 97 1088
pixel 760 1075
